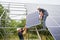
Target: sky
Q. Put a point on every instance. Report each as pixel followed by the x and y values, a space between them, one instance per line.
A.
pixel 56 2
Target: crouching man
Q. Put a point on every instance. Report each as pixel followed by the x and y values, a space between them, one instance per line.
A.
pixel 21 32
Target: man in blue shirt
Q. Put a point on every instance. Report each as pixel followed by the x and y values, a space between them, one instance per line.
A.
pixel 43 15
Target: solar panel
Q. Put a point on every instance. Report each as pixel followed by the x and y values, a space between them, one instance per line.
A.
pixel 53 21
pixel 50 22
pixel 32 19
pixel 55 31
pixel 57 19
pixel 54 27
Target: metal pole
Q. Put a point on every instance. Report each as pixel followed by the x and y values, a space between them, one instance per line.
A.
pixel 38 33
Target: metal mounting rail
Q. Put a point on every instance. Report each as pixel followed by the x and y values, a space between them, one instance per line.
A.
pixel 38 34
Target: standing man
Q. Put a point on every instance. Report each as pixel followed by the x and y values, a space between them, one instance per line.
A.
pixel 43 15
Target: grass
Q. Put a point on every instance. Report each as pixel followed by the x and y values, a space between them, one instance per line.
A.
pixel 32 35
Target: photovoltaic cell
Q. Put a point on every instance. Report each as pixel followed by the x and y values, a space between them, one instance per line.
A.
pixel 32 19
pixel 54 27
pixel 50 22
pixel 55 31
pixel 57 19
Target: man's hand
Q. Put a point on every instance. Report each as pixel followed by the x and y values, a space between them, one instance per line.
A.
pixel 41 15
pixel 24 28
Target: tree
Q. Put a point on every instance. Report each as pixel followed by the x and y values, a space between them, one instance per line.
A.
pixel 22 23
pixel 1 9
pixel 3 12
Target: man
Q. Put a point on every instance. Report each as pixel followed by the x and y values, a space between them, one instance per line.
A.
pixel 43 15
pixel 20 33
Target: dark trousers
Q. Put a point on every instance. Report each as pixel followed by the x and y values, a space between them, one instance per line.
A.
pixel 20 36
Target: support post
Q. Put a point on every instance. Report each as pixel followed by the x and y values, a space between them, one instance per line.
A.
pixel 38 33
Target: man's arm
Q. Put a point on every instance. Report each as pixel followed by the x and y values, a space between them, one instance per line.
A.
pixel 25 30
